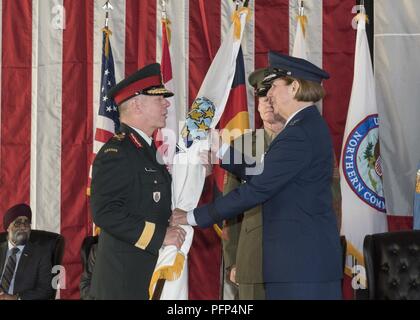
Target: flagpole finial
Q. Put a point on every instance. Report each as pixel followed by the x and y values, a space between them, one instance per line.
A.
pixel 107 7
pixel 237 3
pixel 301 8
pixel 163 4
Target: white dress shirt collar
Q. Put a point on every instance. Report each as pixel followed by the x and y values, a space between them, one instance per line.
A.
pixel 11 246
pixel 146 138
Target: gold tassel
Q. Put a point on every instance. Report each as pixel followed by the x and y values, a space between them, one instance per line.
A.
pixel 236 19
pixel 97 231
pixel 167 24
pixel 352 251
pixel 361 16
pixel 303 20
pixel 108 34
pixel 169 273
pixel 218 230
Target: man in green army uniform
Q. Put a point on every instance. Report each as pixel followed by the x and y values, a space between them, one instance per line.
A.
pixel 243 247
pixel 131 192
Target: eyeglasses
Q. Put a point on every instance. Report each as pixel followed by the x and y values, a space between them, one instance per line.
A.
pixel 19 223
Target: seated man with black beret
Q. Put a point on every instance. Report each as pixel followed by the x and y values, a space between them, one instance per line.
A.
pixel 25 267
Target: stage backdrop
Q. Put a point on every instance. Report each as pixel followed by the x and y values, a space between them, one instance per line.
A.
pixel 50 81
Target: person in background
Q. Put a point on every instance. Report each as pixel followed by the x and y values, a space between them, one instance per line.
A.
pixel 242 250
pixel 88 262
pixel 301 243
pixel 25 266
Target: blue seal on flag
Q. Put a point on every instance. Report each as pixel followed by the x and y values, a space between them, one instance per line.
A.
pixel 361 163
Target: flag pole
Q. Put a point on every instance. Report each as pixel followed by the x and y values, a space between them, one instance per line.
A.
pixel 163 3
pixel 107 7
pixel 160 284
pixel 301 8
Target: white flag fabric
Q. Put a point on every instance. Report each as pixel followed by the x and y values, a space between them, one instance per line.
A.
pixel 300 48
pixel 397 70
pixel 172 264
pixel 363 203
pixel 188 174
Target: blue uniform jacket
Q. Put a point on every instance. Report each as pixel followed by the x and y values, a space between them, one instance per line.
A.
pixel 300 236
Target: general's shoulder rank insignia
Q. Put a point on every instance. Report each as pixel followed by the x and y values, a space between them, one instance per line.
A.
pixel 156 196
pixel 119 136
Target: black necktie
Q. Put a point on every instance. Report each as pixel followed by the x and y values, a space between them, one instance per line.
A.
pixel 9 270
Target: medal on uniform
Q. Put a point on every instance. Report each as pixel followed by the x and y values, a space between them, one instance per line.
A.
pixel 156 196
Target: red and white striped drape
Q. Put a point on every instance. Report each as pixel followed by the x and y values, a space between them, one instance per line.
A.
pixel 50 82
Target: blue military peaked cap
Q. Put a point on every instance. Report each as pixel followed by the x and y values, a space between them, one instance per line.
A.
pixel 281 65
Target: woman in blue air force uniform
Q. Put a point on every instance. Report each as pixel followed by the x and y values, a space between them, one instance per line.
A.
pixel 301 246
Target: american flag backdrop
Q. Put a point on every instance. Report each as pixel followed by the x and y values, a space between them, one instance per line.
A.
pixel 51 80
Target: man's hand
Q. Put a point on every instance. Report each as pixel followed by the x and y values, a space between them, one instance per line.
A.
pixel 175 235
pixel 5 296
pixel 232 275
pixel 178 217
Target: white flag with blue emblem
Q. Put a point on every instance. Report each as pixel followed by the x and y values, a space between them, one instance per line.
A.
pixel 188 174
pixel 363 203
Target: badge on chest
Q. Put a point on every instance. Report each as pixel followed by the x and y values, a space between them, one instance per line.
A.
pixel 156 196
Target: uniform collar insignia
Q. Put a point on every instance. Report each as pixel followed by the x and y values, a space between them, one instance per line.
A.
pixel 119 136
pixel 293 122
pixel 135 140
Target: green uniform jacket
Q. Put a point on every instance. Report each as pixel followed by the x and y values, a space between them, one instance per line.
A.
pixel 244 245
pixel 131 203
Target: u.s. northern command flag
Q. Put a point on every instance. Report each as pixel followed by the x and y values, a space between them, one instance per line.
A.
pixel 363 203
